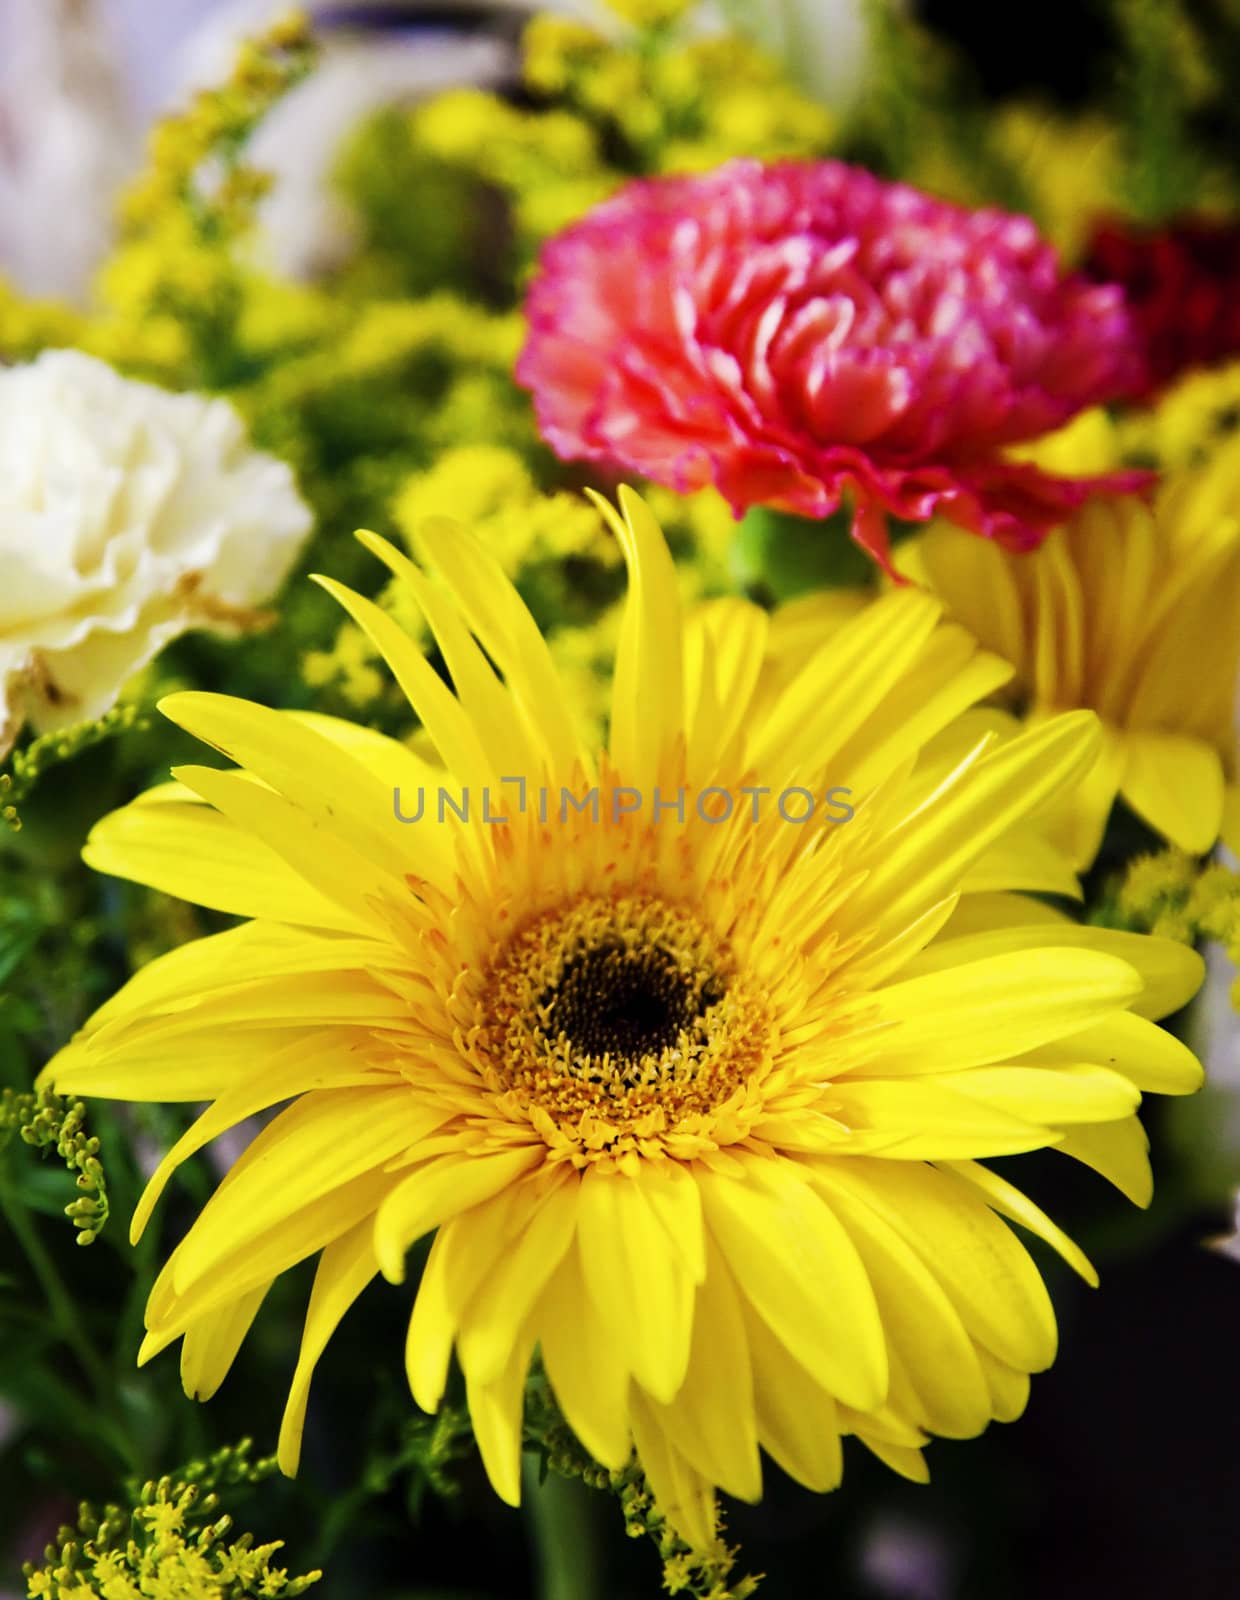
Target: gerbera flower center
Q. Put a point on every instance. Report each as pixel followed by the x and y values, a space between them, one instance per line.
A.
pixel 628 1004
pixel 628 1008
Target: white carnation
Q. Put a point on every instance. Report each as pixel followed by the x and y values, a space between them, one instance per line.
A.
pixel 127 515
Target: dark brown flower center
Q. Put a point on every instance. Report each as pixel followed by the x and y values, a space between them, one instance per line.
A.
pixel 628 1003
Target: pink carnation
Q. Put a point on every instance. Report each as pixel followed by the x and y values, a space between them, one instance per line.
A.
pixel 790 332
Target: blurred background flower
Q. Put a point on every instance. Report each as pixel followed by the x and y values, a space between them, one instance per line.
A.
pixel 127 515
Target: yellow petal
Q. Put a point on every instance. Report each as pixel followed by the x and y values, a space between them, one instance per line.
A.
pixel 1057 653
pixel 909 1463
pixel 508 633
pixel 1009 1389
pixel 387 759
pixel 512 745
pixel 169 1011
pixel 681 1493
pixel 797 1419
pixel 1023 860
pixel 1150 1057
pixel 979 585
pixel 346 1266
pixel 317 1062
pixel 323 1140
pixel 440 712
pixel 979 913
pixel 919 1119
pixel 888 1423
pixel 982 1267
pixel 226 961
pixel 329 998
pixel 495 1412
pixel 949 676
pixel 918 1318
pixel 801 1273
pixel 442 1188
pixel 995 1007
pixel 1187 670
pixel 927 854
pixel 636 1279
pixel 844 682
pixel 585 1365
pixel 724 645
pixel 432 1327
pixel 194 853
pixel 329 786
pixel 316 851
pixel 211 1344
pixel 1114 545
pixel 1170 972
pixel 673 1196
pixel 721 1441
pixel 1075 819
pixel 1176 785
pixel 1119 1151
pixel 465 1251
pixel 170 1312
pixel 873 966
pixel 1066 1093
pixel 499 1310
pixel 647 704
pixel 1009 1202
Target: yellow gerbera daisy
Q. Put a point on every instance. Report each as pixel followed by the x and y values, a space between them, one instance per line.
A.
pixel 1134 612
pixel 693 1105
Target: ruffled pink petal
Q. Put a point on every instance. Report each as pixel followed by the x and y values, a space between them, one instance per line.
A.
pixel 794 332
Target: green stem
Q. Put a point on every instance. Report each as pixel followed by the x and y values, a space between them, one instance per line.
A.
pixel 65 1318
pixel 562 1515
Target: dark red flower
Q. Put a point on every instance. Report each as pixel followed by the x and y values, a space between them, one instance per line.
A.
pixel 792 332
pixel 1183 286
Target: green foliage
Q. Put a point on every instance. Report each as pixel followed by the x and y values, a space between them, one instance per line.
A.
pixel 431 1449
pixel 1159 139
pixel 1160 75
pixel 926 107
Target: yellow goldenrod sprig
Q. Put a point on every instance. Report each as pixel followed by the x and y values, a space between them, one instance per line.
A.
pixel 1175 896
pixel 171 295
pixel 678 102
pixel 48 1121
pixel 173 1541
pixel 700 1574
pixel 195 154
pixel 28 326
pixel 50 749
pixel 1196 421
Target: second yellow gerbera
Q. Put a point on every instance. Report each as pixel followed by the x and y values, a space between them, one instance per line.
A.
pixel 690 1078
pixel 1134 612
